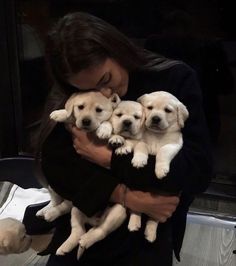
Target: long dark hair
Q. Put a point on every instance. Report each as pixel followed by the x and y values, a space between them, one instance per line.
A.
pixel 78 41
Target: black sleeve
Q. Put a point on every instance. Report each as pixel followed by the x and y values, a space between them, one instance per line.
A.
pixel 191 169
pixel 87 185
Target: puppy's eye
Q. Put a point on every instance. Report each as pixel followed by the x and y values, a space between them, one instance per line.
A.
pixel 119 114
pixel 149 107
pixel 167 110
pixel 98 110
pixel 136 117
pixel 80 107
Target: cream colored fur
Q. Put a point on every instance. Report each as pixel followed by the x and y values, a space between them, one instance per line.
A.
pixel 13 237
pixel 88 111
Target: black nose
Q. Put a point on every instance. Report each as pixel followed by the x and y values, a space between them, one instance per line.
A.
pixel 127 123
pixel 86 122
pixel 156 119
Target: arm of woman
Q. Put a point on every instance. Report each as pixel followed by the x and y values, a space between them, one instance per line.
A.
pixel 159 207
pixel 87 185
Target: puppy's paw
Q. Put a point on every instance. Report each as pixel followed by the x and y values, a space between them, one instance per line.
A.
pixel 104 131
pixel 123 150
pixel 66 247
pixel 162 170
pixel 134 223
pixel 41 213
pixel 150 234
pixel 139 160
pixel 59 115
pixel 116 141
pixel 92 236
pixel 62 250
pixel 51 214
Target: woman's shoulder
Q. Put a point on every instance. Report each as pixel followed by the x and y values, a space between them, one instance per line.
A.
pixel 171 67
pixel 168 75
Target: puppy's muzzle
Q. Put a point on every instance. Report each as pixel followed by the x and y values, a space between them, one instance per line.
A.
pixel 126 124
pixel 86 122
pixel 155 120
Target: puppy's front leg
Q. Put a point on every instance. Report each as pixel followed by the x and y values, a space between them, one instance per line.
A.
pixel 59 115
pixel 126 148
pixel 104 131
pixel 164 157
pixel 116 141
pixel 140 157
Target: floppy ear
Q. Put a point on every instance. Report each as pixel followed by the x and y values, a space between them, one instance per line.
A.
pixel 182 114
pixel 70 104
pixel 142 98
pixel 115 100
pixel 143 116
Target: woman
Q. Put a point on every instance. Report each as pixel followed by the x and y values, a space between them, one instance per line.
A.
pixel 85 53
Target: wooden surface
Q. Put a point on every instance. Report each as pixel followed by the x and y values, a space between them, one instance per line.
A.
pixel 208 246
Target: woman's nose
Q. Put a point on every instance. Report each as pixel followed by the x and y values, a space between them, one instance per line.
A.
pixel 107 92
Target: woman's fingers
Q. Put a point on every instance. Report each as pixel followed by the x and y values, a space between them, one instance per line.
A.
pixel 78 133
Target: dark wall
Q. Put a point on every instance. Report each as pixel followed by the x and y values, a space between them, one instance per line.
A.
pixel 9 129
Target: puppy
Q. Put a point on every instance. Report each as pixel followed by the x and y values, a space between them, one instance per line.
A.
pixel 165 116
pixel 90 112
pixel 13 237
pixel 127 123
pixel 128 127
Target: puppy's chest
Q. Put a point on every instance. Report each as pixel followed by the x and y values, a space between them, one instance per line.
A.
pixel 155 141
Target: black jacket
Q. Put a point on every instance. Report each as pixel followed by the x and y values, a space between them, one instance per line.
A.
pixel 89 186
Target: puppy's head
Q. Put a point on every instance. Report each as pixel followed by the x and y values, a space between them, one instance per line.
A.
pixel 128 119
pixel 13 237
pixel 90 109
pixel 163 111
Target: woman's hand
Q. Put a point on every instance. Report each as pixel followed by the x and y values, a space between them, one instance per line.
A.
pixel 90 147
pixel 158 207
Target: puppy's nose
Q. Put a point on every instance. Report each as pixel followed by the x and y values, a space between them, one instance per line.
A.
pixel 127 123
pixel 86 122
pixel 156 119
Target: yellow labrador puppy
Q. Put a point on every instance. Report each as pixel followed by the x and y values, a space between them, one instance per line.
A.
pixel 127 123
pixel 13 237
pixel 165 116
pixel 128 120
pixel 89 111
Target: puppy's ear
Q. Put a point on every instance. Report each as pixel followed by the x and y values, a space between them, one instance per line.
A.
pixel 115 100
pixel 143 116
pixel 70 104
pixel 142 98
pixel 182 114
